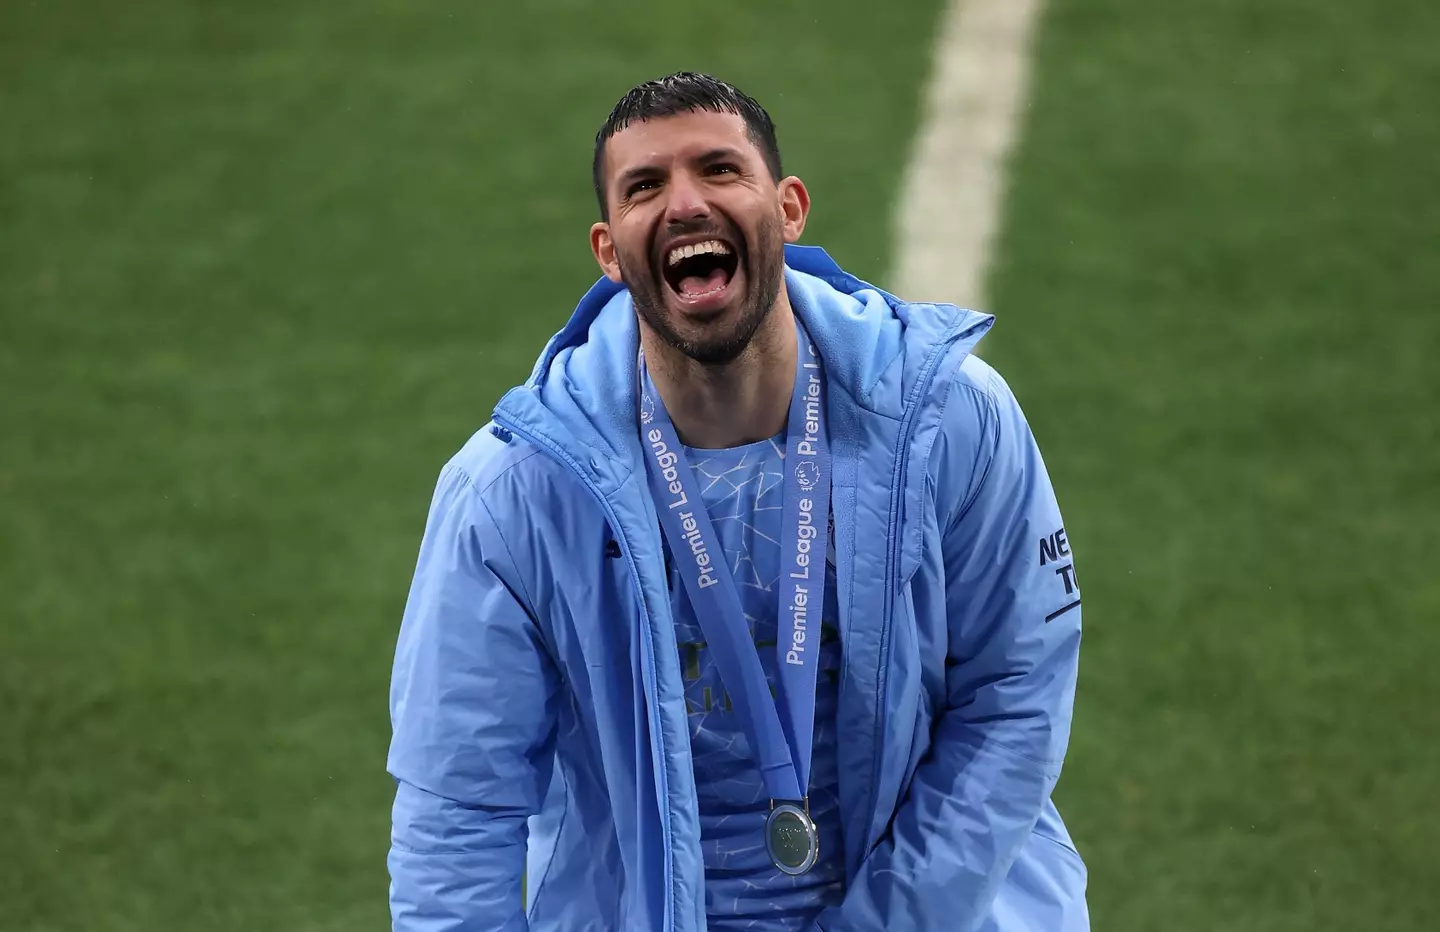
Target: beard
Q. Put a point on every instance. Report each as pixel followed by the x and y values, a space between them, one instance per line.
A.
pixel 722 339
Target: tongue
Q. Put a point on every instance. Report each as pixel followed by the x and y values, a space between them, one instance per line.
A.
pixel 692 285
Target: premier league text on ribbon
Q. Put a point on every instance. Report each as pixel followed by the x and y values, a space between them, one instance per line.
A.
pixel 805 533
pixel 666 459
pixel 805 530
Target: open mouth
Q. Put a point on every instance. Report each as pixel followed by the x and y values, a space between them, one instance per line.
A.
pixel 697 271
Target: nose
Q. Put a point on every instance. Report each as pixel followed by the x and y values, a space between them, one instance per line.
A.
pixel 685 201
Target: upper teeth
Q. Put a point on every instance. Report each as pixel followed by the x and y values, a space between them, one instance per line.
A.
pixel 685 252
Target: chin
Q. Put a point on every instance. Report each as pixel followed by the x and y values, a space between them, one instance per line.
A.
pixel 720 338
pixel 703 323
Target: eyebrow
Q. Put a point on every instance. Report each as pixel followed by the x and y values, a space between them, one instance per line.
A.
pixel 708 157
pixel 623 180
pixel 720 154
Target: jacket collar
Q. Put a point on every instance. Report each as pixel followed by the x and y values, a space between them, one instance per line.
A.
pixel 580 396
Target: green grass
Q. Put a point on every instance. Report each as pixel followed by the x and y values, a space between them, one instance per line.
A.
pixel 263 267
pixel 1217 293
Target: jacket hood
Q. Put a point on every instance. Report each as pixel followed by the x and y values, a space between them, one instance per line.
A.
pixel 581 393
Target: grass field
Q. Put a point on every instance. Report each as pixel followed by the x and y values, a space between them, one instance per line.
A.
pixel 262 269
pixel 1218 291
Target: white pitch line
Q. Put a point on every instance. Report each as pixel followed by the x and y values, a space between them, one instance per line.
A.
pixel 955 181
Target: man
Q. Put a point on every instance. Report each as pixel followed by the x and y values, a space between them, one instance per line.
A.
pixel 752 609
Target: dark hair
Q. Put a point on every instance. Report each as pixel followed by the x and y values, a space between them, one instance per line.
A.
pixel 685 91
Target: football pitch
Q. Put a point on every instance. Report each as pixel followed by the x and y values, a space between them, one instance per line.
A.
pixel 264 267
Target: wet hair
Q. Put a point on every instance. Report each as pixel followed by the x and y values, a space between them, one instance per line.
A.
pixel 685 92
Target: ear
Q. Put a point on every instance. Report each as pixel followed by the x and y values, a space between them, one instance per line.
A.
pixel 794 208
pixel 604 248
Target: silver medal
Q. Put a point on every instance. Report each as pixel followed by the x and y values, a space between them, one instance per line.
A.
pixel 791 838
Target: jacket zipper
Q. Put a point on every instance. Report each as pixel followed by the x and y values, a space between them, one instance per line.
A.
pixel 892 556
pixel 662 788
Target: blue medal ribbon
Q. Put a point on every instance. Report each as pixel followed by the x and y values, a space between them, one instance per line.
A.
pixel 781 739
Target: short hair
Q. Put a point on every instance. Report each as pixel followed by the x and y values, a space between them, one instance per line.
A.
pixel 682 92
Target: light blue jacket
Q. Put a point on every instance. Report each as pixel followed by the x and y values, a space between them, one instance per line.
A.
pixel 538 709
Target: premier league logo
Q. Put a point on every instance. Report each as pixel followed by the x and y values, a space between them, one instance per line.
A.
pixel 647 408
pixel 807 474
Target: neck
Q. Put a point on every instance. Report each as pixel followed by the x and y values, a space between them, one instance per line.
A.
pixel 743 401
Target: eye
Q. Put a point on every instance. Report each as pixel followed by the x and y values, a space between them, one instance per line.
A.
pixel 721 168
pixel 644 184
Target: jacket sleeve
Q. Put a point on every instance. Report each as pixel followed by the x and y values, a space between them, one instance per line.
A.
pixel 1013 616
pixel 472 707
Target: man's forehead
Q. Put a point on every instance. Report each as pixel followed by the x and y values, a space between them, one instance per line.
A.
pixel 682 135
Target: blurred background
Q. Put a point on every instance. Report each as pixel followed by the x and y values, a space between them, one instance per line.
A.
pixel 265 266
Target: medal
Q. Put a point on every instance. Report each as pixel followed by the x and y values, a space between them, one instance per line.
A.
pixel 781 738
pixel 791 838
